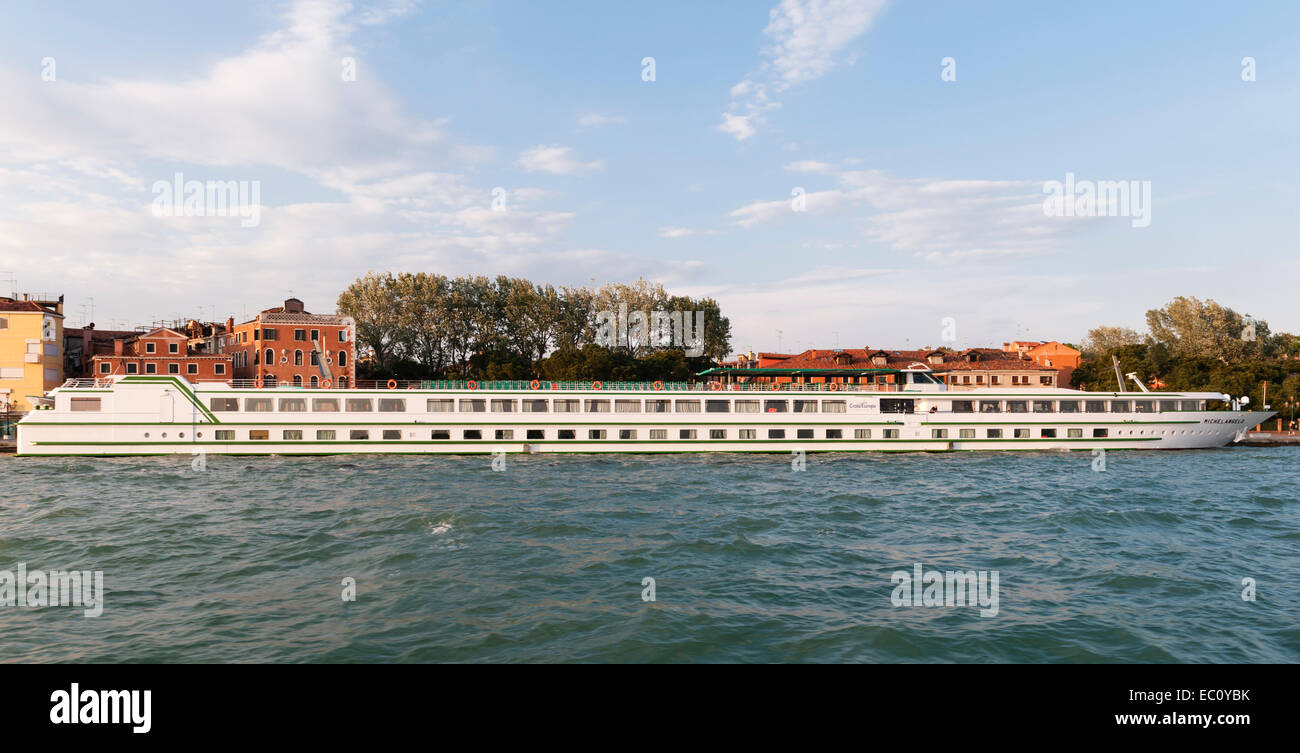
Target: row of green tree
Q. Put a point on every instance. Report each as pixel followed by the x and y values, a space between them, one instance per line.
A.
pixel 1196 345
pixel 428 326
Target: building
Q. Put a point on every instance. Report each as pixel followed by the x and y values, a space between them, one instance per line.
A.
pixel 80 344
pixel 160 351
pixel 966 369
pixel 31 350
pixel 288 344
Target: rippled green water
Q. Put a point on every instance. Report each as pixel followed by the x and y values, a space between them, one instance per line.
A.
pixel 544 561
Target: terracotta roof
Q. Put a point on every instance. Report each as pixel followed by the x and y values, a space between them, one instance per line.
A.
pixel 26 306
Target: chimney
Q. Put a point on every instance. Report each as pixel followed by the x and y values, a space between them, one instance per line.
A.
pixel 230 324
pixel 117 346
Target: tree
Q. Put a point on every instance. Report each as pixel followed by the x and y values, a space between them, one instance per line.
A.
pixel 1105 339
pixel 372 302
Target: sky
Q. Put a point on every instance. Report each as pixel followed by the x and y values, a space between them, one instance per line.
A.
pixel 836 173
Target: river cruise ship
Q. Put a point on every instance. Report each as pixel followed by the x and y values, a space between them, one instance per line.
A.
pixel 912 411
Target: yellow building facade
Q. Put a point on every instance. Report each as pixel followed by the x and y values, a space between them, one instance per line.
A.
pixel 31 350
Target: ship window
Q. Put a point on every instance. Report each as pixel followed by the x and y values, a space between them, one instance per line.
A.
pixel 472 434
pixel 358 404
pixel 85 403
pixel 1044 406
pixel 834 433
pixel 1119 406
pixel 433 434
pixel 325 404
pixel 1094 406
pixel 534 406
pixel 990 406
pixel 686 434
pixel 1168 405
pixel 938 433
pixel 503 406
pixel 658 406
pixel 890 433
pixel 776 406
pixel 687 406
pixel 1143 406
pixel 833 406
pixel 746 406
pixel 391 405
pixel 291 434
pixel 536 434
pixel 596 406
pixel 1069 406
pixel 627 433
pixel 803 433
pixel 1048 434
pixel 567 434
pixel 1074 433
pixel 1100 433
pixel 805 406
pixel 627 406
pixel 473 406
pixel 776 433
pixel 717 433
pixel 967 433
pixel 293 404
pixel 1017 406
pixel 1021 433
pixel 359 434
pixel 440 405
pixel 993 433
pixel 325 435
pixel 862 433
pixel 397 434
pixel 963 406
pixel 505 434
pixel 1193 405
pixel 717 406
pixel 595 434
pixel 658 433
pixel 257 404
pixel 258 434
pixel 749 433
pixel 565 406
pixel 225 435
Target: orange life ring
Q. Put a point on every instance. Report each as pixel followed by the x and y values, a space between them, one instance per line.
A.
pixel 473 385
pixel 257 382
pixel 533 385
pixel 326 384
pixel 833 386
pixel 392 384
pixel 597 385
pixel 658 385
pixel 716 386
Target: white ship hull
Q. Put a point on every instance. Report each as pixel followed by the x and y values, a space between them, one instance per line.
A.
pixel 166 415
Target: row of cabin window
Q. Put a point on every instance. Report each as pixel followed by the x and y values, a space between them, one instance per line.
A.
pixel 511 405
pixel 1073 406
pixel 541 434
pixel 152 368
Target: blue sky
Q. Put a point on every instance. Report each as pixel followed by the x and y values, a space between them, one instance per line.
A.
pixel 923 196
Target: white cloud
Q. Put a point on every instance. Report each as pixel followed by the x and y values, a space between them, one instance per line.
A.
pixel 675 232
pixel 557 160
pixel 809 39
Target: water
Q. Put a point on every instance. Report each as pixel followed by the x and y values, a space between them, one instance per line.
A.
pixel 752 562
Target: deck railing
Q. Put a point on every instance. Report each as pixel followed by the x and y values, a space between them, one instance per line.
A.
pixel 536 385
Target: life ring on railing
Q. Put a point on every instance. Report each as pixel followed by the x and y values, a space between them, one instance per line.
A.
pixel 716 386
pixel 658 385
pixel 597 385
pixel 392 384
pixel 534 385
pixel 473 385
pixel 257 382
pixel 832 387
pixel 326 384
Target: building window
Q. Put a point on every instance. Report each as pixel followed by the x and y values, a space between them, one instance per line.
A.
pixel 343 335
pixel 150 347
pixel 173 368
pixel 173 348
pixel 343 359
pixel 270 334
pixel 297 358
pixel 151 368
pixel 270 356
pixel 103 368
pixel 300 334
pixel 995 379
pixel 191 368
pixel 85 404
pixel 315 335
pixel 132 368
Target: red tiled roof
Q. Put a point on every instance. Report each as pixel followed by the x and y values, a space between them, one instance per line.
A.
pixel 25 306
